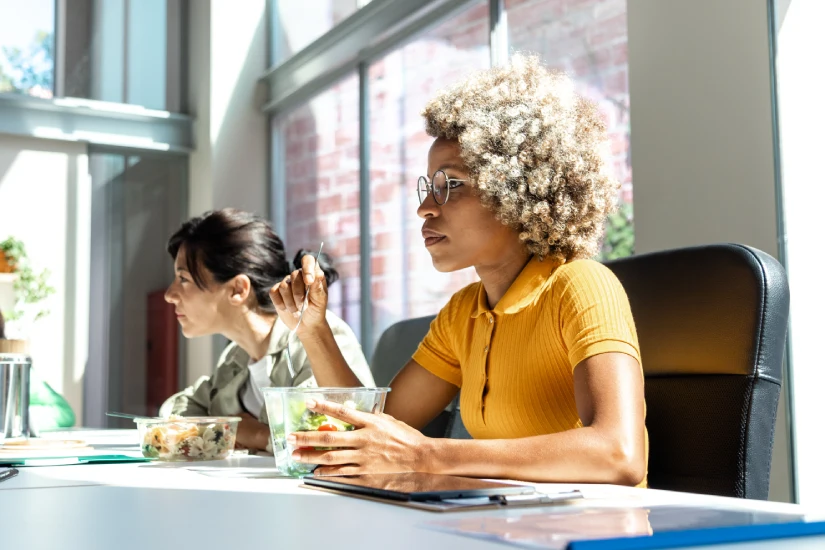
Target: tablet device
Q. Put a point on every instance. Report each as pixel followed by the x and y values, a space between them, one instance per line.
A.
pixel 416 486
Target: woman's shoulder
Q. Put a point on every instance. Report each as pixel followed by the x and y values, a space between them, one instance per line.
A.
pixel 233 353
pixel 585 277
pixel 583 270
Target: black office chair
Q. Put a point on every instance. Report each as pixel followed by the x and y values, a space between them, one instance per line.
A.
pixel 711 322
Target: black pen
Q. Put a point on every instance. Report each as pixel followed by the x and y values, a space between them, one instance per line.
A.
pixel 8 474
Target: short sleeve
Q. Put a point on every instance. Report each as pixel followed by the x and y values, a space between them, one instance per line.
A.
pixel 437 352
pixel 594 312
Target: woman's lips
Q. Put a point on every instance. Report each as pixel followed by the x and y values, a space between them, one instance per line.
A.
pixel 431 237
pixel 430 241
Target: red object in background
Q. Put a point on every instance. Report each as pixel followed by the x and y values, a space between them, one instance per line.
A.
pixel 161 351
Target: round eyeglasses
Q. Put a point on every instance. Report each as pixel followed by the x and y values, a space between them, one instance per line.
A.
pixel 439 187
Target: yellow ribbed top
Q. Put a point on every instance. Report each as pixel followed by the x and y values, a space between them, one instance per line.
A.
pixel 514 363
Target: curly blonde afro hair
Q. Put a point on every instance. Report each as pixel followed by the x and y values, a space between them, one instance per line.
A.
pixel 534 148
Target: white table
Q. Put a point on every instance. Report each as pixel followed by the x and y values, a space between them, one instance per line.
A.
pixel 139 506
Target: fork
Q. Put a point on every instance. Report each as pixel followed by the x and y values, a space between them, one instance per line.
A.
pixel 300 317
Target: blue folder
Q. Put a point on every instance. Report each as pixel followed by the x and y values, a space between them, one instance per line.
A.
pixel 704 537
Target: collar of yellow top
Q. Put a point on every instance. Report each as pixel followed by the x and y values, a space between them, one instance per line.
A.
pixel 524 290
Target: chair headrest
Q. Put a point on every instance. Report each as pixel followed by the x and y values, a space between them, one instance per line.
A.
pixel 716 309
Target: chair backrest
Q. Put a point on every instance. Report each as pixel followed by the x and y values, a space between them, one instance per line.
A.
pixel 395 347
pixel 711 322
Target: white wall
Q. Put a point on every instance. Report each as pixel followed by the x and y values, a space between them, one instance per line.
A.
pixel 227 53
pixel 701 123
pixel 800 44
pixel 702 135
pixel 239 131
pixel 44 201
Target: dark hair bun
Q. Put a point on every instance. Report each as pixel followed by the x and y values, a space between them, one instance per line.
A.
pixel 324 261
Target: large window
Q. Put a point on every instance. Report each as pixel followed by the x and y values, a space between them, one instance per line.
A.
pixel 587 39
pixel 297 24
pixel 119 51
pixel 321 166
pixel 27 47
pixel 123 51
pixel 404 282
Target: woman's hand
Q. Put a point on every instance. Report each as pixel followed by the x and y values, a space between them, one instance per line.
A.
pixel 288 296
pixel 380 444
pixel 252 434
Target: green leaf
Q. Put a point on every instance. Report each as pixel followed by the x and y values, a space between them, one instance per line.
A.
pixel 30 287
pixel 619 236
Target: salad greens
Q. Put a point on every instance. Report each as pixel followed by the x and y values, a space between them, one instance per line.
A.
pixel 305 420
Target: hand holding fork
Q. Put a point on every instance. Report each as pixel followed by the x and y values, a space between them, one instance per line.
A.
pixel 303 291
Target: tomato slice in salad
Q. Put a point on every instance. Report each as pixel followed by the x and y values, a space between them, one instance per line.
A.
pixel 327 428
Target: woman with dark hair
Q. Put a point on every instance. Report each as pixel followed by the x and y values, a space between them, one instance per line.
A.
pixel 226 262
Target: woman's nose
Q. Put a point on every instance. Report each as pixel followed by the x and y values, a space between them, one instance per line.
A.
pixel 170 296
pixel 429 208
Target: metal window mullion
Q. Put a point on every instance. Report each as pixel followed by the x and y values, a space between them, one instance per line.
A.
pixel 125 75
pixel 499 46
pixel 59 49
pixel 175 62
pixel 277 163
pixel 365 245
pixel 183 77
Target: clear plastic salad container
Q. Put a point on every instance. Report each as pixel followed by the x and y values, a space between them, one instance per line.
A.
pixel 288 413
pixel 187 438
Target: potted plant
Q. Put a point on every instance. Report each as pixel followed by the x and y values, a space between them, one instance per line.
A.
pixel 30 289
pixel 47 408
pixel 6 261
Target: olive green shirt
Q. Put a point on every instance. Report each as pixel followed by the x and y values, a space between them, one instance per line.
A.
pixel 220 394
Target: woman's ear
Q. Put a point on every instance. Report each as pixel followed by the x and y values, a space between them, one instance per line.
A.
pixel 240 289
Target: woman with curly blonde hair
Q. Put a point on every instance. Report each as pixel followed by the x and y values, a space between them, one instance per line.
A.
pixel 544 347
